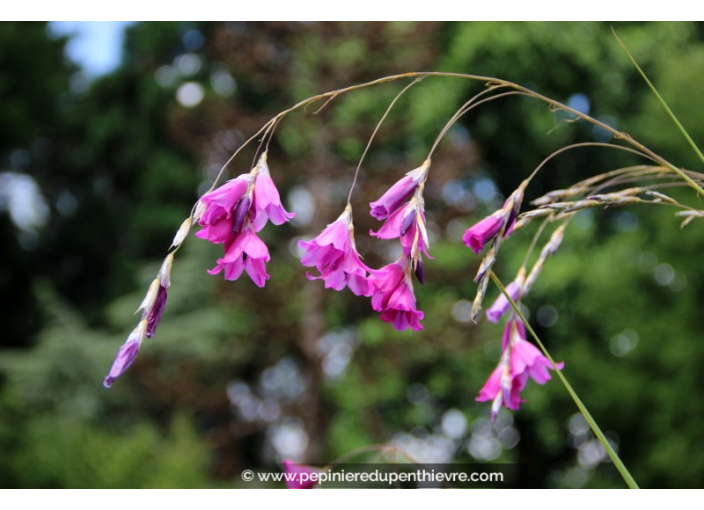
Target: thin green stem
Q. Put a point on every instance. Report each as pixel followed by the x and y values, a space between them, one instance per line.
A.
pixel 662 101
pixel 582 408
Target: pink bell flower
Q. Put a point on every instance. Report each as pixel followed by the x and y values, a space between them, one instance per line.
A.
pixel 399 192
pixel 503 220
pixel 487 229
pixel 267 202
pixel 221 202
pixel 393 296
pixel 334 255
pixel 520 361
pixel 244 252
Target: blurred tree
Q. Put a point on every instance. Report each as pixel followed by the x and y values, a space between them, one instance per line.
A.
pixel 239 377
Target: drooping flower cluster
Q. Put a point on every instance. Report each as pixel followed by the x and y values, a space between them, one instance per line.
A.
pixel 520 360
pixel 152 309
pixel 232 215
pixel 334 255
pixel 393 285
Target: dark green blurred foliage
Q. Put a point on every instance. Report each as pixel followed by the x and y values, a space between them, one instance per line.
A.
pixel 234 369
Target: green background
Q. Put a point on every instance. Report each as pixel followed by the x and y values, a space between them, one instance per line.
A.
pixel 237 377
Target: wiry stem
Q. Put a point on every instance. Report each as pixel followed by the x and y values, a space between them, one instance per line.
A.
pixel 662 101
pixel 371 138
pixel 582 408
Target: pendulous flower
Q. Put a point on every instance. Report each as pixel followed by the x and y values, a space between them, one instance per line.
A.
pixel 499 222
pixel 244 252
pixel 267 202
pixel 393 295
pixel 478 235
pixel 221 202
pixel 520 360
pixel 399 192
pixel 334 255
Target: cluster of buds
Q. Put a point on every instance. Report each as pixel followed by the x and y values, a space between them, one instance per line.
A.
pixel 403 208
pixel 520 360
pixel 231 215
pixel 333 253
pixel 491 230
pixel 152 308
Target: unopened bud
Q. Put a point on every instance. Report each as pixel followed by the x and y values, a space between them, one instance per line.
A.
pixel 407 221
pixel 420 273
pixel 241 213
pixel 149 299
pixel 182 232
pixel 165 271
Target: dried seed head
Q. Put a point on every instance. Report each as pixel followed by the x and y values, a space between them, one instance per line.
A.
pixel 165 271
pixel 535 213
pixel 555 240
pixel 520 223
pixel 560 195
pixel 487 261
pixel 478 299
pixel 686 221
pixel 423 230
pixel 182 232
pixel 548 250
pixel 660 197
pixel 533 276
pixel 621 198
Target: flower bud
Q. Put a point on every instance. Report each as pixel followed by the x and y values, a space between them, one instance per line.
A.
pixel 182 232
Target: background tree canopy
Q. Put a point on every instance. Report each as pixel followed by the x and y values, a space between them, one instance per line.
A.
pixel 238 377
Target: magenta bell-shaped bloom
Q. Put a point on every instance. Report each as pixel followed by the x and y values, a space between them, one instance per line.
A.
pixel 127 354
pixel 220 205
pixel 267 202
pixel 520 361
pixel 393 296
pixel 399 192
pixel 478 235
pixel 334 255
pixel 300 476
pixel 244 252
pixel 481 233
